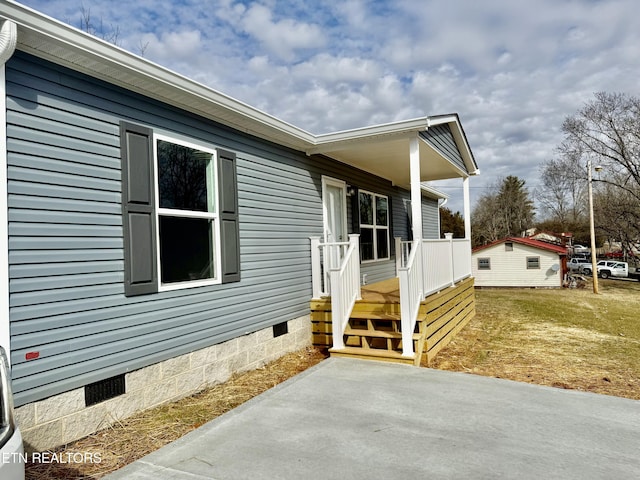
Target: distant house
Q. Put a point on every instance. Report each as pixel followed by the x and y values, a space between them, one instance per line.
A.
pixel 519 262
pixel 157 236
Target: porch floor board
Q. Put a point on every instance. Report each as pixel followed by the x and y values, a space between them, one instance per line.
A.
pixel 386 291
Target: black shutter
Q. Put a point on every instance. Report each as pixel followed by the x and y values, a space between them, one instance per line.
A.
pixel 229 223
pixel 138 215
pixel 355 211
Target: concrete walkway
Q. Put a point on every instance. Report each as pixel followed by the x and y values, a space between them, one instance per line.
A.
pixel 354 419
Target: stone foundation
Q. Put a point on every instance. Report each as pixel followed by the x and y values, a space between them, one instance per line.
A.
pixel 64 418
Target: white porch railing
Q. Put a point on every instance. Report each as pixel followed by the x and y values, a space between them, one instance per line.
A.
pixel 426 270
pixel 446 262
pixel 435 265
pixel 411 293
pixel 335 271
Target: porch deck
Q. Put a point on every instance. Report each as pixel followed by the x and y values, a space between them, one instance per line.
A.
pixel 374 332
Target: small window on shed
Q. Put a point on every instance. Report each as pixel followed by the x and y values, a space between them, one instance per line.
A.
pixel 508 246
pixel 533 262
pixel 484 264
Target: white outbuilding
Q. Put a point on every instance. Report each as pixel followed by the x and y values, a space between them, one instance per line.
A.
pixel 519 262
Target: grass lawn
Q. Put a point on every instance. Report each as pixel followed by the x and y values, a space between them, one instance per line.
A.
pixel 567 338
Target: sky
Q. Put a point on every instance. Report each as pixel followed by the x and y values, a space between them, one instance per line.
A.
pixel 513 70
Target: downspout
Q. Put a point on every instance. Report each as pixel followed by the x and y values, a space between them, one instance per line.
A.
pixel 8 40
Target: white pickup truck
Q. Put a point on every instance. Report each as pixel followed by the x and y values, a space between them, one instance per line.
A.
pixel 608 268
pixel 576 264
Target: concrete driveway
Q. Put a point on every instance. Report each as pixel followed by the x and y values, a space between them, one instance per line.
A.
pixel 353 419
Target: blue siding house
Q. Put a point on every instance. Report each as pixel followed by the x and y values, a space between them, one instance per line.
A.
pixel 157 236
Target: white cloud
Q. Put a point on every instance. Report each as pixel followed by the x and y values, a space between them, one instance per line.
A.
pixel 173 45
pixel 512 70
pixel 281 37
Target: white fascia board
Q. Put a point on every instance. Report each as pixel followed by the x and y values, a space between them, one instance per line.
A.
pixel 338 140
pixel 431 192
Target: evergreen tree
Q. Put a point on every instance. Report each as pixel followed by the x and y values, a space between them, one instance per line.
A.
pixel 451 223
pixel 506 211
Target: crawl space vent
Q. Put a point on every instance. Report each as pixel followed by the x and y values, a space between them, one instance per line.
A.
pixel 280 329
pixel 103 390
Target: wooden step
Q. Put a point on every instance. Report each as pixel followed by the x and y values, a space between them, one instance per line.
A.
pixel 372 354
pixel 375 315
pixel 376 333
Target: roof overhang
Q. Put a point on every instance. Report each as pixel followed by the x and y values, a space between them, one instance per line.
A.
pixel 430 192
pixel 382 150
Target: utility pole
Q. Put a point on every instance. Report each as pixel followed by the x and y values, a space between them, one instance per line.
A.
pixel 594 270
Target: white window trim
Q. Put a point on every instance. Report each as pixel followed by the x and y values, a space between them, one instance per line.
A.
pixel 212 178
pixel 488 260
pixel 375 227
pixel 533 258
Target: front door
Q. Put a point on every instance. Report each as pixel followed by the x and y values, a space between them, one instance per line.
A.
pixel 334 195
pixel 334 206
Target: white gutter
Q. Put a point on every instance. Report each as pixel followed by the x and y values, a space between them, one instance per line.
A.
pixel 8 40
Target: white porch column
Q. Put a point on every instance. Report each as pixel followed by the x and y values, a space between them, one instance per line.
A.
pixel 466 208
pixel 416 192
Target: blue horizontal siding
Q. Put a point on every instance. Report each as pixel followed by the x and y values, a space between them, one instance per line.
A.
pixel 441 138
pixel 65 234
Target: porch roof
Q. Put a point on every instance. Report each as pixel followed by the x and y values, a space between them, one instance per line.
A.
pixel 382 150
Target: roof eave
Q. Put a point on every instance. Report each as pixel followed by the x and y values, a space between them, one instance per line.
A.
pixel 63 44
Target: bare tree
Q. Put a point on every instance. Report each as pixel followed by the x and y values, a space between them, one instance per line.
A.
pixel 111 34
pixel 563 196
pixel 607 131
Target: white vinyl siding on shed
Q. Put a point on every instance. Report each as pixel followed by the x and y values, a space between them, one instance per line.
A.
pixel 516 268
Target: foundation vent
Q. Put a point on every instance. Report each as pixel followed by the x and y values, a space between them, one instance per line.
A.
pixel 103 390
pixel 280 329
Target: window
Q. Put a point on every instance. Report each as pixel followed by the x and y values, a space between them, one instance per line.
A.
pixel 179 213
pixel 374 226
pixel 484 264
pixel 508 246
pixel 188 223
pixel 533 262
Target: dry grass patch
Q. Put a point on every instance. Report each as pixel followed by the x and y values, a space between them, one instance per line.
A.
pixel 562 338
pixel 147 431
